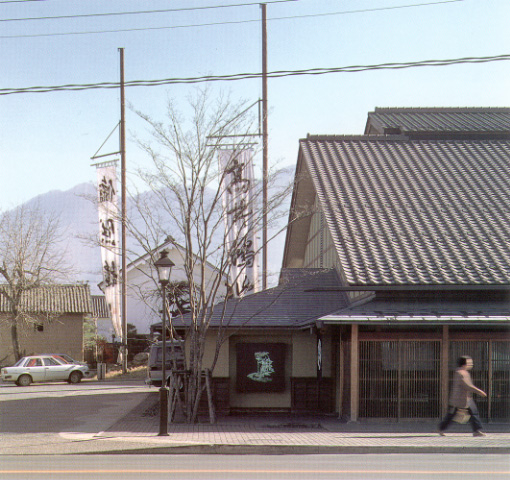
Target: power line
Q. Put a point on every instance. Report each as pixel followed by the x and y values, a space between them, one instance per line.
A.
pixel 141 12
pixel 293 17
pixel 21 1
pixel 248 76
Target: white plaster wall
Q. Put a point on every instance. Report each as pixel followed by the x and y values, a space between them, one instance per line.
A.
pixel 140 278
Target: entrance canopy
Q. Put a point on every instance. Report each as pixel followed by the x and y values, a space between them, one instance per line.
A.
pixel 387 312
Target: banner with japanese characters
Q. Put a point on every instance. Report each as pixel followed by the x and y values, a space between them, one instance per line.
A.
pixel 109 239
pixel 241 241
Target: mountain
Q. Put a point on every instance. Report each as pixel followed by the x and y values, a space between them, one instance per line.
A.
pixel 79 220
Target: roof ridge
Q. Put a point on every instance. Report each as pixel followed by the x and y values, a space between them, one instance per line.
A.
pixel 353 137
pixel 441 109
pixel 399 138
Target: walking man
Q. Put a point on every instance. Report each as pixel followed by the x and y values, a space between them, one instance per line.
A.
pixel 462 397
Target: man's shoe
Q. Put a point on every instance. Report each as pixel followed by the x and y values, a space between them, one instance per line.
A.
pixel 441 433
pixel 479 433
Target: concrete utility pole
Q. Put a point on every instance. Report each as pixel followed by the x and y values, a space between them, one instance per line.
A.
pixel 123 214
pixel 264 147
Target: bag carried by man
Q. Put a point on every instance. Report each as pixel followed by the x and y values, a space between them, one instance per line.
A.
pixel 462 415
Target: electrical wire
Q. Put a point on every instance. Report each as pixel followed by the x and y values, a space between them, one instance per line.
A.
pixel 21 1
pixel 173 27
pixel 141 12
pixel 248 76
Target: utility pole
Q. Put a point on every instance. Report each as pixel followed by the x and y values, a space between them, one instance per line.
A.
pixel 123 214
pixel 264 147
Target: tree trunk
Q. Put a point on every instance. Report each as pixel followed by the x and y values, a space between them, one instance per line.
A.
pixel 15 339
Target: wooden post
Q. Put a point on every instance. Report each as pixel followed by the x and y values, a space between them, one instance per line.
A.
pixel 340 378
pixel 123 213
pixel 212 416
pixel 354 373
pixel 265 138
pixel 443 368
pixel 399 380
pixel 489 384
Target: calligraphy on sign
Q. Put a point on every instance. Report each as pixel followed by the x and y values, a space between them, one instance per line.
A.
pixel 108 232
pixel 106 190
pixel 110 274
pixel 241 239
pixel 260 367
pixel 108 239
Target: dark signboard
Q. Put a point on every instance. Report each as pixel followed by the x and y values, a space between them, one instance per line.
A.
pixel 260 367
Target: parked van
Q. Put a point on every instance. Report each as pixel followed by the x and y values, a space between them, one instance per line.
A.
pixel 174 360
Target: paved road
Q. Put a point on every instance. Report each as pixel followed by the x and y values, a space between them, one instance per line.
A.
pixel 43 414
pixel 99 418
pixel 220 467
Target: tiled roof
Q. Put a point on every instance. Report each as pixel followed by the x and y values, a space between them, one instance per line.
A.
pixel 100 309
pixel 463 120
pixel 449 312
pixel 290 304
pixel 53 299
pixel 415 212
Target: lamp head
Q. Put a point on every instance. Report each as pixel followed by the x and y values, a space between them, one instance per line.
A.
pixel 164 266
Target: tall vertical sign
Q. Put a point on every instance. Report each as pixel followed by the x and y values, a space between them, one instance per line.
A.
pixel 109 239
pixel 241 240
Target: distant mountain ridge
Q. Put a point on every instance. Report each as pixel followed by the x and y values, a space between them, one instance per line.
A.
pixel 78 217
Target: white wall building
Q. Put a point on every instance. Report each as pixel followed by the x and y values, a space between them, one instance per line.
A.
pixel 144 301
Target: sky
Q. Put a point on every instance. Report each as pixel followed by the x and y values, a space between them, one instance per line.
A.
pixel 47 139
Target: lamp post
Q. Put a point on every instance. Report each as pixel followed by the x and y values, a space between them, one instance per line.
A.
pixel 164 267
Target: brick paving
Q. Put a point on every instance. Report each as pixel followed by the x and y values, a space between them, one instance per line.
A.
pixel 273 434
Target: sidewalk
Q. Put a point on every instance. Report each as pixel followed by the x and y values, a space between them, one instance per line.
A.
pixel 137 432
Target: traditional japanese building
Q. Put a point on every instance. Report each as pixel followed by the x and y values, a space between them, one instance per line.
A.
pixel 397 261
pixel 414 218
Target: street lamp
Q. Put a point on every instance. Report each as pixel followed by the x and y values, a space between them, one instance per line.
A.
pixel 164 267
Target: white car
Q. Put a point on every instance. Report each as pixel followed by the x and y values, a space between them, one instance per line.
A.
pixel 43 368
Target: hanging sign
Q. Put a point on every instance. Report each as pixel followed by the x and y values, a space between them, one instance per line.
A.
pixel 109 239
pixel 241 241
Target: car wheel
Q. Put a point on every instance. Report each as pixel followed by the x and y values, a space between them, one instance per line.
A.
pixel 75 377
pixel 24 381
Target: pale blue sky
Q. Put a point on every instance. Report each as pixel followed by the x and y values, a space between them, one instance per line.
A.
pixel 47 139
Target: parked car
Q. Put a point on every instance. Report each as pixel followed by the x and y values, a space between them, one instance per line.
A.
pixel 174 359
pixel 44 368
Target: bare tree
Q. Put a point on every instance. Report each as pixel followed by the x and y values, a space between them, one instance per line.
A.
pixel 31 256
pixel 186 188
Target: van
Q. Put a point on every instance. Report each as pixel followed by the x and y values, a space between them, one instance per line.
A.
pixel 174 360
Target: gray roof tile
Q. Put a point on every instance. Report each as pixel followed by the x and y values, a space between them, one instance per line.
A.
pixel 100 308
pixel 461 120
pixel 53 299
pixel 415 212
pixel 289 305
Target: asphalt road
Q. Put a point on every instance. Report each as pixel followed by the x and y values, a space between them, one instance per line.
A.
pixel 220 467
pixel 44 413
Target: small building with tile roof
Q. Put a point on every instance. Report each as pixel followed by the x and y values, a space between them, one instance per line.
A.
pixel 415 218
pixel 55 316
pixel 280 321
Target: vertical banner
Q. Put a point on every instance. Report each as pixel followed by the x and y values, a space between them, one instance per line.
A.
pixel 241 241
pixel 109 239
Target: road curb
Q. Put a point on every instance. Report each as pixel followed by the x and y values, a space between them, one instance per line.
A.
pixel 299 450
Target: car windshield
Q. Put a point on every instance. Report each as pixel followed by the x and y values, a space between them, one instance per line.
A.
pixel 173 353
pixel 64 358
pixel 20 362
